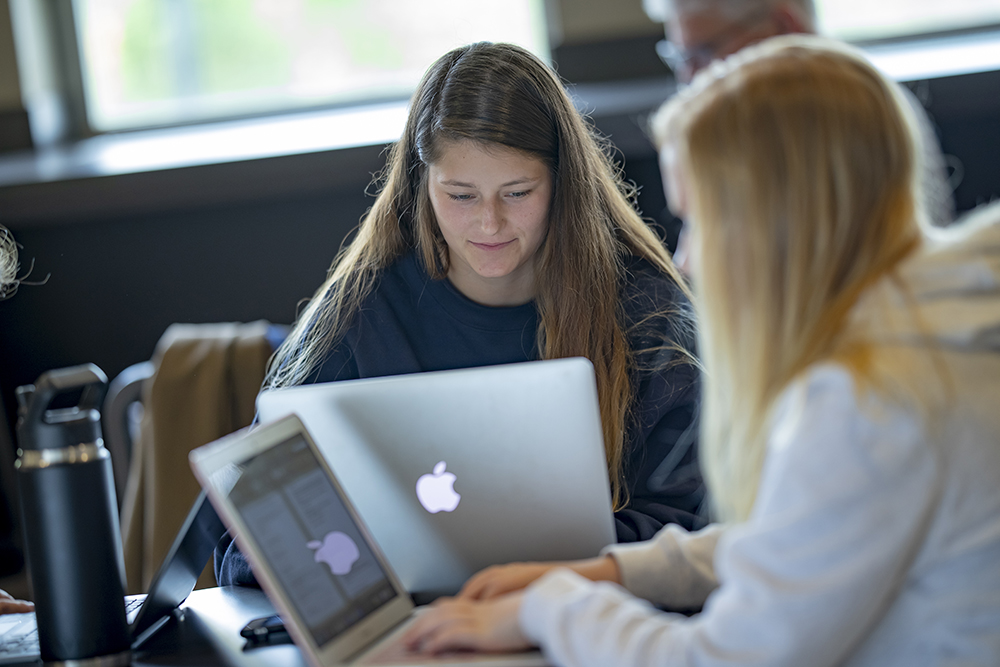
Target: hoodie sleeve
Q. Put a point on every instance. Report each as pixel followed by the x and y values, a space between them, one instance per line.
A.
pixel 674 570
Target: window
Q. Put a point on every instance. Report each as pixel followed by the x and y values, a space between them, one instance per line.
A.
pixel 164 62
pixel 866 20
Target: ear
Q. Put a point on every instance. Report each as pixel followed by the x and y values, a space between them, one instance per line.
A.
pixel 789 19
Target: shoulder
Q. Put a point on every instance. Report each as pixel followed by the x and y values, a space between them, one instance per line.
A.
pixel 401 276
pixel 828 399
pixel 390 290
pixel 362 324
pixel 827 426
pixel 647 288
pixel 656 311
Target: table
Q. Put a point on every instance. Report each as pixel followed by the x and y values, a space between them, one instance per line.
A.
pixel 206 631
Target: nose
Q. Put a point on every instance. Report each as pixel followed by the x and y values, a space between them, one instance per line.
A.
pixel 492 217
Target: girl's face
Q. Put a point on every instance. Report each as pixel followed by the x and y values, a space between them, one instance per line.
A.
pixel 492 206
pixel 676 192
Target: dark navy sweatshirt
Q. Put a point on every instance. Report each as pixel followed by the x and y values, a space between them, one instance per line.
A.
pixel 412 323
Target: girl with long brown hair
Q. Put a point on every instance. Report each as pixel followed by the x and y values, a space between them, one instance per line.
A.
pixel 503 232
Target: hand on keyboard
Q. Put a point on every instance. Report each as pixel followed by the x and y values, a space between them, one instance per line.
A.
pixel 8 605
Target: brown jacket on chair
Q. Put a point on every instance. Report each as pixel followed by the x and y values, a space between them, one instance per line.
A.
pixel 206 380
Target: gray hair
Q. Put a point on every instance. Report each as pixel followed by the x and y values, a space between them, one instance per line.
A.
pixel 663 11
pixel 9 282
pixel 8 263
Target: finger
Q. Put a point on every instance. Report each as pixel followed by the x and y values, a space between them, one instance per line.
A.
pixel 13 606
pixel 472 589
pixel 458 634
pixel 477 592
pixel 496 588
pixel 427 622
pixel 450 624
pixel 473 633
pixel 414 635
pixel 434 638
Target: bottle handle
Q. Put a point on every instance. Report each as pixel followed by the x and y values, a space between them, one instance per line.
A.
pixel 34 400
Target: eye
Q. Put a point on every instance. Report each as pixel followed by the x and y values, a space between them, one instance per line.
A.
pixel 519 194
pixel 459 196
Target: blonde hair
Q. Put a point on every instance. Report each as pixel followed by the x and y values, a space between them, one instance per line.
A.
pixel 800 165
pixel 500 94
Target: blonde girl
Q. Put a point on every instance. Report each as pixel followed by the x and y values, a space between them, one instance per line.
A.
pixel 851 424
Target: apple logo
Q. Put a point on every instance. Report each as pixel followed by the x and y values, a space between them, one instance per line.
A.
pixel 336 550
pixel 435 492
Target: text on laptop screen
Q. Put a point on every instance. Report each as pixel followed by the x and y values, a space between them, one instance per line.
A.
pixel 306 534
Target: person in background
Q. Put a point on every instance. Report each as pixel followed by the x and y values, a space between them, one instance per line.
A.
pixel 8 285
pixel 699 32
pixel 850 427
pixel 504 233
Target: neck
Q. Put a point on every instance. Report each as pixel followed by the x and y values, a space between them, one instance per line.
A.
pixel 506 291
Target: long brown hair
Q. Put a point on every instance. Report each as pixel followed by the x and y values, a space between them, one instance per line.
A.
pixel 501 94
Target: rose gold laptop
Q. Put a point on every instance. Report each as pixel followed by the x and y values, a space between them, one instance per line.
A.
pixel 339 599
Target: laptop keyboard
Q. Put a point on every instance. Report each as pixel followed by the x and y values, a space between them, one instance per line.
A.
pixel 132 605
pixel 18 635
pixel 19 632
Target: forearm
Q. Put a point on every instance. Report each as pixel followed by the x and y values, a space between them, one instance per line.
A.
pixel 602 568
pixel 675 570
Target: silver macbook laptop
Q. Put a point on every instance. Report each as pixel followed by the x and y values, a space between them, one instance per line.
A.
pixel 339 599
pixel 146 614
pixel 457 470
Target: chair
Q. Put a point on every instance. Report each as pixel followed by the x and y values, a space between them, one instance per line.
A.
pixel 203 385
pixel 120 419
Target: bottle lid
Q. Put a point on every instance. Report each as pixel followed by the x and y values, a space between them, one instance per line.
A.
pixel 40 426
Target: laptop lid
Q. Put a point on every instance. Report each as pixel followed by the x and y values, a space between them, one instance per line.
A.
pixel 308 548
pixel 458 470
pixel 178 575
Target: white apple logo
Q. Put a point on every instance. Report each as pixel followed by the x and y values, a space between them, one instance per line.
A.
pixel 336 550
pixel 435 492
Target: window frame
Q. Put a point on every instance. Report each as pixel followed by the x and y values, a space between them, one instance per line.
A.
pixel 65 25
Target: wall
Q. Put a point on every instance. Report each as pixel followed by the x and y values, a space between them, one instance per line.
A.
pixel 584 21
pixel 10 93
pixel 14 130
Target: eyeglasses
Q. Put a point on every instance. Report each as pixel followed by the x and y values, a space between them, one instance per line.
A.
pixel 684 63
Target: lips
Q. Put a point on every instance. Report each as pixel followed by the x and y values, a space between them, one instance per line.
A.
pixel 492 246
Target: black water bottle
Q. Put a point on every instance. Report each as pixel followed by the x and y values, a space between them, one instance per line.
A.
pixel 70 517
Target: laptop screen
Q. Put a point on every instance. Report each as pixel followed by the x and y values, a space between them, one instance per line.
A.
pixel 316 551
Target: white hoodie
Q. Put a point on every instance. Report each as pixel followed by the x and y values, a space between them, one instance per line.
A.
pixel 874 540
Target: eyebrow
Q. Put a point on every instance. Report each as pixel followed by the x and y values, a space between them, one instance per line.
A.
pixel 463 184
